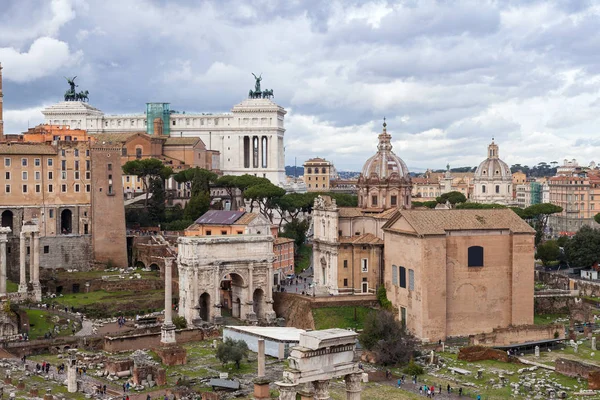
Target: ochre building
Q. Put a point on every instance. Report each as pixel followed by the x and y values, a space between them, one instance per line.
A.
pixel 459 272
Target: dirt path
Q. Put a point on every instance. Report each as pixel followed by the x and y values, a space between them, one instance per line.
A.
pixel 379 376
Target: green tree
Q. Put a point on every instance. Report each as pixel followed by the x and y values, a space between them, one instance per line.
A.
pixel 243 182
pixel 538 215
pixel 428 204
pixel 198 205
pixel 296 229
pixel 387 338
pixel 197 179
pixel 478 206
pixel 563 241
pixel 597 218
pixel 548 251
pixel 228 182
pixel 147 169
pixel 266 196
pixel 232 351
pixel 156 203
pixel 583 250
pixel 453 197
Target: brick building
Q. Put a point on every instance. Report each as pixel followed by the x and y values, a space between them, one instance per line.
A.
pixel 459 272
pixel 318 174
pixel 53 186
pixel 283 248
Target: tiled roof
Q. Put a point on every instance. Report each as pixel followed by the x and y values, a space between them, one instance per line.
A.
pixel 365 238
pixel 181 141
pixel 120 137
pixel 282 240
pixel 246 219
pixel 437 222
pixel 352 212
pixel 26 148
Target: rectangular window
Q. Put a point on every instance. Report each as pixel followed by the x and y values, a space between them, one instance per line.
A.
pixel 46 249
pixel 208 233
pixel 51 213
pixel 364 265
pixel 475 256
pixel 24 162
pixel 345 282
pixel 63 165
pixel 7 175
pixel 63 175
pixel 87 153
pixel 87 165
pixel 109 166
pixel 63 188
pixel 38 188
pixel 393 200
pixel 76 152
pixel 403 277
pixel 76 175
pixel 24 188
pixel 394 275
pixel 7 188
pixel 50 162
pixel 38 175
pixel 88 175
pixel 411 279
pixel 374 200
pixel 88 188
pixel 50 188
pixel 76 165
pixel 7 162
pixel 77 188
pixel 86 229
pixel 223 232
pixel 110 190
pixel 24 175
pixel 345 263
pixel 37 162
pixel 62 152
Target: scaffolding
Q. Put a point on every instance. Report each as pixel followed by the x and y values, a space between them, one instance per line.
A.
pixel 158 110
pixel 536 193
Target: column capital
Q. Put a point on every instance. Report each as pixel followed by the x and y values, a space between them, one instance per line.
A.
pixel 321 389
pixel 353 382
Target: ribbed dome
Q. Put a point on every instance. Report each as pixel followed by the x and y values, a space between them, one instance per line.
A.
pixel 493 168
pixel 384 163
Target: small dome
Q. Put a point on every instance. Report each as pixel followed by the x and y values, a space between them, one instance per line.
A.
pixel 493 168
pixel 384 163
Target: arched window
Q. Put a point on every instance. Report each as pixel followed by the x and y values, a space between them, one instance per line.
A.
pixel 483 189
pixel 323 170
pixel 309 171
pixel 264 150
pixel 497 188
pixel 475 256
pixel 138 152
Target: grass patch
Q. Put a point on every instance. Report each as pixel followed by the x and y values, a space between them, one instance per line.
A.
pixel 546 319
pixel 303 258
pixel 98 274
pixel 11 286
pixel 340 317
pixel 42 322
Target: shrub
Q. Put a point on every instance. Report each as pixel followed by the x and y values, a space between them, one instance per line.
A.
pixel 413 368
pixel 383 300
pixel 232 350
pixel 180 322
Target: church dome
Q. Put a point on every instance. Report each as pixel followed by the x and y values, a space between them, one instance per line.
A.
pixel 493 168
pixel 385 164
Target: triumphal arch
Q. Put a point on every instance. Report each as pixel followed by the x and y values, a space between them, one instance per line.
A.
pixel 226 275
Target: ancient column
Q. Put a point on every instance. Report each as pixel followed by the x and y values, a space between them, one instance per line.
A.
pixel 23 268
pixel 71 377
pixel 31 253
pixel 4 231
pixel 287 391
pixel 261 358
pixel 353 386
pixel 537 351
pixel 594 343
pixel 321 389
pixel 168 329
pixel 35 248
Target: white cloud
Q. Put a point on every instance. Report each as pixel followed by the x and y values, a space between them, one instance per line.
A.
pixel 17 121
pixel 44 57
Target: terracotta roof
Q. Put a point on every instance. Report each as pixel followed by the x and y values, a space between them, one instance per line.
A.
pixel 27 148
pixel 365 238
pixel 120 137
pixel 352 212
pixel 282 240
pixel 438 222
pixel 246 219
pixel 181 141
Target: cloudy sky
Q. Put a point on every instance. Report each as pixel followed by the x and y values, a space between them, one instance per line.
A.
pixel 448 75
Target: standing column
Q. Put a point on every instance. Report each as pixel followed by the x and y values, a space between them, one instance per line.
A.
pixel 353 387
pixel 287 391
pixel 168 329
pixel 261 358
pixel 31 253
pixel 35 248
pixel 4 231
pixel 22 269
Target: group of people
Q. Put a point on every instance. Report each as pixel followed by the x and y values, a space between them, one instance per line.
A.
pixel 45 367
pixel 121 321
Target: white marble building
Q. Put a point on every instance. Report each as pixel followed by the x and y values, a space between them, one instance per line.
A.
pixel 493 180
pixel 250 138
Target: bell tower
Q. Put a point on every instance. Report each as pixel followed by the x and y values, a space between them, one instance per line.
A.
pixel 1 110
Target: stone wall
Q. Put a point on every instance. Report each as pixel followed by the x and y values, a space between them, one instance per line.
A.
pixel 518 334
pixel 152 339
pixel 559 281
pixel 552 304
pixel 64 251
pixel 66 285
pixel 480 353
pixel 573 368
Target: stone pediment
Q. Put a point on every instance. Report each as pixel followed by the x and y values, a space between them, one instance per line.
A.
pixel 70 108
